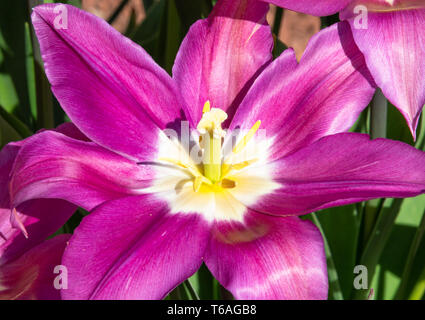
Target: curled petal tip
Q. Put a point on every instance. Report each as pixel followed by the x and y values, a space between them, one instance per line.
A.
pixel 16 222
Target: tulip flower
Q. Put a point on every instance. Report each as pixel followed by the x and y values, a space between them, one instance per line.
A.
pixel 391 35
pixel 212 165
pixel 27 260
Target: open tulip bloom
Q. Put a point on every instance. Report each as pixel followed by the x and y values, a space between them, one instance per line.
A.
pixel 212 165
pixel 391 35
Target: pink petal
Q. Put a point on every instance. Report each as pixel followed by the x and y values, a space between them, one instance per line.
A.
pixel 110 87
pixel 314 7
pixel 132 248
pixel 342 169
pixel 40 218
pixel 269 258
pixel 381 6
pixel 394 46
pixel 52 165
pixel 31 276
pixel 222 54
pixel 300 103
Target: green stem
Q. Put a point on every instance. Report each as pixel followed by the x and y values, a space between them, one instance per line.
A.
pixel 334 284
pixel 277 21
pixel 419 289
pixel 43 93
pixel 401 292
pixel 378 129
pixel 378 116
pixel 373 208
pixel 117 11
pixel 192 291
pixel 376 244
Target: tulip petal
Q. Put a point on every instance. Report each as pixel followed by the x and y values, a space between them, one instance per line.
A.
pixel 132 248
pixel 40 218
pixel 269 258
pixel 394 47
pixel 342 169
pixel 222 54
pixel 300 103
pixel 111 89
pixel 31 276
pixel 314 7
pixel 52 165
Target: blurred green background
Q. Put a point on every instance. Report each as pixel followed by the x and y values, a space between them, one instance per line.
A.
pixel 385 235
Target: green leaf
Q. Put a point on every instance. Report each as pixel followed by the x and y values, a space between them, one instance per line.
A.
pixel 148 33
pixel 190 11
pixel 21 130
pixel 14 93
pixel 205 285
pixel 45 113
pixel 173 37
pixel 278 47
pixel 335 292
pixel 340 227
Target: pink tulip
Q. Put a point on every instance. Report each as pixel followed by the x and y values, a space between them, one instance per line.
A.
pixel 156 213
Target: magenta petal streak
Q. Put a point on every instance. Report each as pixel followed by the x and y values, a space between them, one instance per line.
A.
pixel 221 55
pixel 132 248
pixel 394 46
pixel 107 85
pixel 269 258
pixel 52 165
pixel 354 169
pixel 314 7
pixel 323 94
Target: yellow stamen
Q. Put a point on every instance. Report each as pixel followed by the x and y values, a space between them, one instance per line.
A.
pixel 228 184
pixel 197 183
pixel 237 166
pixel 207 107
pixel 242 144
pixel 199 178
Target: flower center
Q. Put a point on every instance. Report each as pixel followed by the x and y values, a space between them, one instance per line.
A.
pixel 212 135
pixel 215 177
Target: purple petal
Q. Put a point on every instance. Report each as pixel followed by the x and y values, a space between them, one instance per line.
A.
pixel 222 54
pixel 110 87
pixel 380 6
pixel 269 258
pixel 52 165
pixel 342 169
pixel 314 7
pixel 394 47
pixel 31 276
pixel 300 103
pixel 40 218
pixel 132 248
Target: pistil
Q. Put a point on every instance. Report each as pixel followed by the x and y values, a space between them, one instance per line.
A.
pixel 211 135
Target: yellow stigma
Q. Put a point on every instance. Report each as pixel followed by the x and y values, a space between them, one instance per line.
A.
pixel 211 134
